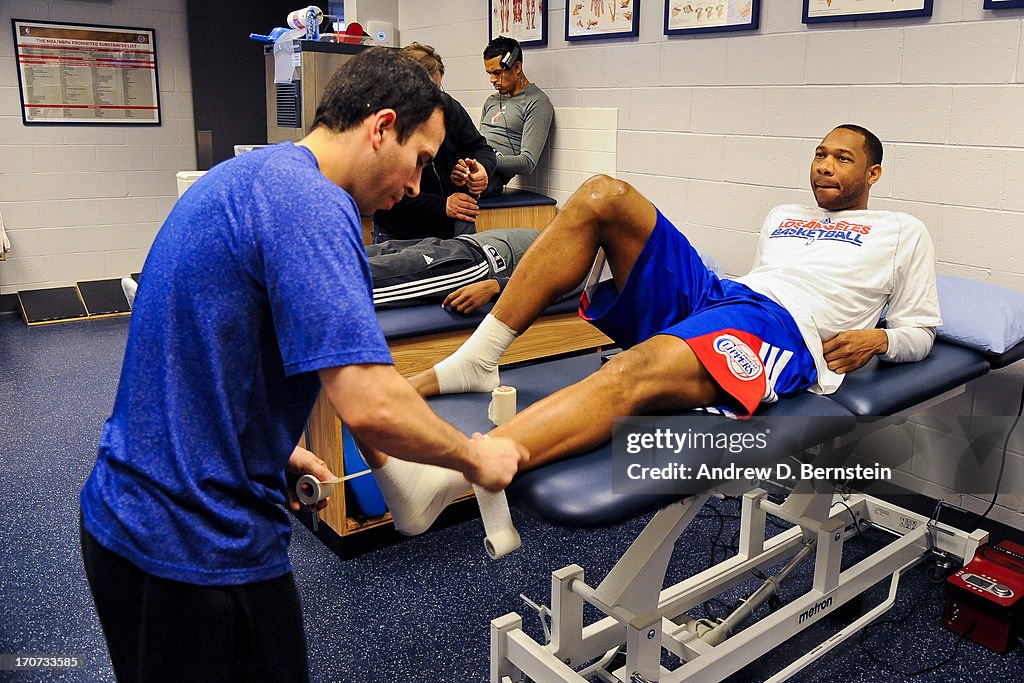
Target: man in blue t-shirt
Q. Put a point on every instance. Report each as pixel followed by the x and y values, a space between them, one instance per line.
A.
pixel 257 293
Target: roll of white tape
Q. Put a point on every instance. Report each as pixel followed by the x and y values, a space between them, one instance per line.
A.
pixel 501 536
pixel 502 406
pixel 311 490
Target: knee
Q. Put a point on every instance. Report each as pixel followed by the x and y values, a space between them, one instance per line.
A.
pixel 605 192
pixel 625 375
pixel 614 205
pixel 658 374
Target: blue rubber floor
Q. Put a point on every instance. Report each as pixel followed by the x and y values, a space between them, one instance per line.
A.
pixel 415 611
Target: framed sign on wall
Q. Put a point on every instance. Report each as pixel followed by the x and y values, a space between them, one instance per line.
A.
pixel 858 10
pixel 696 16
pixel 1000 4
pixel 86 74
pixel 524 20
pixel 587 19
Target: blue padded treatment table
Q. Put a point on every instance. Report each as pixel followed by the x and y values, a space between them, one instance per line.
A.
pixel 1008 357
pixel 879 389
pixel 577 491
pixel 512 198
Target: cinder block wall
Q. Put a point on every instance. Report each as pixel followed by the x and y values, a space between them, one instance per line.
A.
pixel 582 143
pixel 84 202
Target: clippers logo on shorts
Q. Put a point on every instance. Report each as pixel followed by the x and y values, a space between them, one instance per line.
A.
pixel 729 357
pixel 743 363
pixel 824 230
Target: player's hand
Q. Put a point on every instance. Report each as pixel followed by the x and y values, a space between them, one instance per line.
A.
pixel 477 181
pixel 494 462
pixel 460 173
pixel 852 349
pixel 471 297
pixel 302 462
pixel 462 207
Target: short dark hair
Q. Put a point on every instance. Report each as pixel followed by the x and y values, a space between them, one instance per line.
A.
pixel 375 79
pixel 427 56
pixel 872 145
pixel 501 46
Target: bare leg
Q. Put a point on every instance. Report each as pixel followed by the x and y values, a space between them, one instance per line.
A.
pixel 604 212
pixel 659 374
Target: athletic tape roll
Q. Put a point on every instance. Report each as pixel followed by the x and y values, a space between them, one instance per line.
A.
pixel 502 406
pixel 501 536
pixel 311 490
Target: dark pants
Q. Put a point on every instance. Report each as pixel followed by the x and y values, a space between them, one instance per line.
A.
pixel 163 630
pixel 412 272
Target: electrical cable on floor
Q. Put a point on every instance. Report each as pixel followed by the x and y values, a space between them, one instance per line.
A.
pixel 1002 465
pixel 712 559
pixel 892 667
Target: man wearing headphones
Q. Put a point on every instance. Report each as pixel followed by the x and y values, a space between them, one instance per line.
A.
pixel 517 118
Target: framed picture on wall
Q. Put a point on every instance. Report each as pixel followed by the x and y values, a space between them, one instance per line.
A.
pixel 524 20
pixel 816 11
pixel 707 16
pixel 588 19
pixel 86 74
pixel 1000 4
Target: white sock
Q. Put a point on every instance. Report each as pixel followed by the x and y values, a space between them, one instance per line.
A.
pixel 474 366
pixel 417 493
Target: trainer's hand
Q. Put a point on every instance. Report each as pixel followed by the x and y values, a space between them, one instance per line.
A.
pixel 852 349
pixel 461 206
pixel 302 462
pixel 471 297
pixel 494 462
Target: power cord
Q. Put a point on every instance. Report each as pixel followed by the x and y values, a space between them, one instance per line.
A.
pixel 864 634
pixel 1002 464
pixel 504 122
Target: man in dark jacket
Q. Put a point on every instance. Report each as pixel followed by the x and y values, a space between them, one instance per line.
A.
pixel 446 205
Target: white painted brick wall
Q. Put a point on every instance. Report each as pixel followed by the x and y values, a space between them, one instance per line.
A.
pixel 84 202
pixel 583 143
pixel 717 129
pixel 965 53
pixel 867 56
pixel 966 176
pixel 971 122
pixel 917 113
pixel 727 110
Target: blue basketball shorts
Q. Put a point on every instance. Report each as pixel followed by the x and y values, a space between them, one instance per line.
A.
pixel 749 344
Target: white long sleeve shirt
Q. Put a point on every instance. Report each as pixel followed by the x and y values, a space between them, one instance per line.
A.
pixel 837 270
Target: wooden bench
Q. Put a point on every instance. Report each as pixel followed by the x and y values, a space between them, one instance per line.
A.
pixel 516 209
